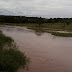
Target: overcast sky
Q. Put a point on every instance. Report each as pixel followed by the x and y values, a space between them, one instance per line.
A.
pixel 43 8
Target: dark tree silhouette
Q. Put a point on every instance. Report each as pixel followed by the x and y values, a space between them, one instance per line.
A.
pixel 36 20
pixel 40 21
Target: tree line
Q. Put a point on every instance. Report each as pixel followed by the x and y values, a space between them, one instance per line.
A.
pixel 39 20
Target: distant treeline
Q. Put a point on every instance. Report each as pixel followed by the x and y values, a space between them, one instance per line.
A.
pixel 23 19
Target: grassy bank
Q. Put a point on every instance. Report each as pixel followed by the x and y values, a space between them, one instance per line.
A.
pixel 62 34
pixel 44 27
pixel 10 58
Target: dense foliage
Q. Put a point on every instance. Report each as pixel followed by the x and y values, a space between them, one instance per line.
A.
pixel 19 19
pixel 23 19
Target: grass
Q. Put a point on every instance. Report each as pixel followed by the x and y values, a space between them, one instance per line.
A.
pixel 47 27
pixel 37 29
pixel 11 59
pixel 62 34
pixel 51 26
pixel 69 27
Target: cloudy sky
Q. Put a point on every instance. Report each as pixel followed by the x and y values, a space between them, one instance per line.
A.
pixel 43 8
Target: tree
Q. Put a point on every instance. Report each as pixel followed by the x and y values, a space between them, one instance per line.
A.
pixel 40 21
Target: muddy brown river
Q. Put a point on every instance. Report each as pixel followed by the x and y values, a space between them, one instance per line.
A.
pixel 47 53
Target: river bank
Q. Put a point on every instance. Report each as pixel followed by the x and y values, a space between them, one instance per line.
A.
pixel 11 59
pixel 57 31
pixel 48 53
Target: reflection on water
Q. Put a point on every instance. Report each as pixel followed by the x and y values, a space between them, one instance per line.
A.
pixel 39 33
pixel 46 52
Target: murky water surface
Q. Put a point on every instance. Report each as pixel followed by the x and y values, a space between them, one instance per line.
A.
pixel 47 53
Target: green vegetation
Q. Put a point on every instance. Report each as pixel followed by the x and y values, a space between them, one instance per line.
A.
pixel 10 58
pixel 38 24
pixel 45 27
pixel 62 34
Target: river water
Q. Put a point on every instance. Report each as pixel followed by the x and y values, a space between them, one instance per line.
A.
pixel 47 53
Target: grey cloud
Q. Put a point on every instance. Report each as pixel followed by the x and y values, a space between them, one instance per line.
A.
pixel 44 8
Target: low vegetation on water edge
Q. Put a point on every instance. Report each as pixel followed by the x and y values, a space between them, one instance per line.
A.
pixel 11 59
pixel 50 28
pixel 43 27
pixel 39 24
pixel 62 34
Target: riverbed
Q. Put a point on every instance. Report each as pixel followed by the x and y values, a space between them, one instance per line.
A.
pixel 47 53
